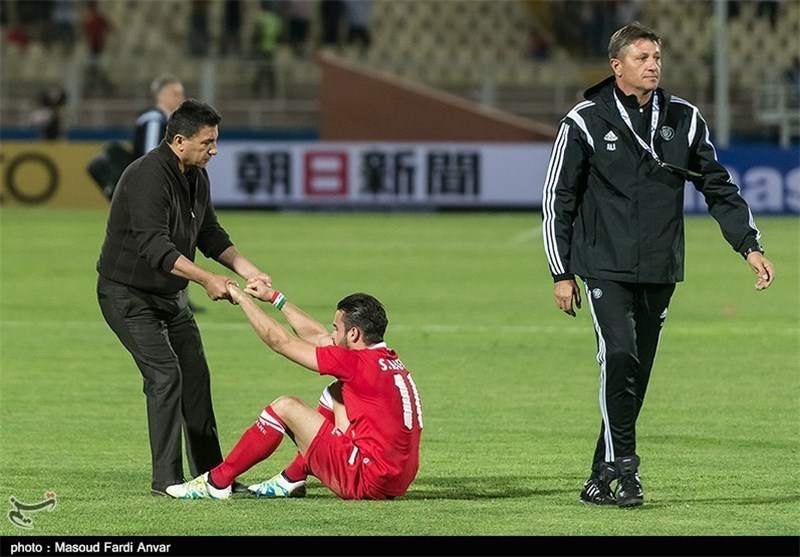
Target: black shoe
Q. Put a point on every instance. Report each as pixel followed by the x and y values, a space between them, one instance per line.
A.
pixel 161 490
pixel 597 489
pixel 629 487
pixel 239 487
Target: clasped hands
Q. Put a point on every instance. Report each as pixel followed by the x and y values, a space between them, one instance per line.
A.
pixel 259 287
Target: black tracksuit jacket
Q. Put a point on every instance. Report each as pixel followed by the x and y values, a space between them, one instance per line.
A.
pixel 157 214
pixel 609 211
pixel 151 125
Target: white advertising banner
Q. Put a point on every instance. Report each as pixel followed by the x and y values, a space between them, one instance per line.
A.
pixel 423 176
pixel 412 175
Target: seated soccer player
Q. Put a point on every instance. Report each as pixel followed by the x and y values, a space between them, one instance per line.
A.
pixel 363 440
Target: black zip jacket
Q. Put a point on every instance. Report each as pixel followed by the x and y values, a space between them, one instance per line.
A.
pixel 610 211
pixel 158 213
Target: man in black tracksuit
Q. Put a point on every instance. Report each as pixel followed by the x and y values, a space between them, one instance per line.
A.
pixel 161 213
pixel 612 214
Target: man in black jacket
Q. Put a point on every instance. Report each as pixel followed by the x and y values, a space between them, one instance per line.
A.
pixel 151 125
pixel 612 214
pixel 160 214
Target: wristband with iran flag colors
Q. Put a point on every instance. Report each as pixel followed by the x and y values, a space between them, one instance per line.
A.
pixel 277 299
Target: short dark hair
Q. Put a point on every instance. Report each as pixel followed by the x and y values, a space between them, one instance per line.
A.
pixel 365 313
pixel 628 35
pixel 159 83
pixel 189 117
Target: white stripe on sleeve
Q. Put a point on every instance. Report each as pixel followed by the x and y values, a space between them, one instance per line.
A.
pixel 575 116
pixel 549 199
pixel 151 133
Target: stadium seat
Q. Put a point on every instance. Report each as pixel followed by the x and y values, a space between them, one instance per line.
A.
pixel 449 43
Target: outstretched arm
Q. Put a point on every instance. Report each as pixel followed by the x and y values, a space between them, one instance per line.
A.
pixel 306 327
pixel 215 285
pixel 242 266
pixel 273 333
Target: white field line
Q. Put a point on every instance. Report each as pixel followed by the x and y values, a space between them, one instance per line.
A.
pixel 433 328
pixel 530 235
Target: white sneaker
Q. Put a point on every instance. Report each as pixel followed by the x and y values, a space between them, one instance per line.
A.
pixel 279 486
pixel 198 488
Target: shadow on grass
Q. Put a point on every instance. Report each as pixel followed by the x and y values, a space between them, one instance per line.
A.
pixel 424 487
pixel 481 487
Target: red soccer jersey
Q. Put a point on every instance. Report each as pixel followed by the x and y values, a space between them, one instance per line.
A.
pixel 384 409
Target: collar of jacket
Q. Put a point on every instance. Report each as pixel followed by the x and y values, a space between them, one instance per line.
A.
pixel 602 95
pixel 630 101
pixel 166 152
pixel 172 159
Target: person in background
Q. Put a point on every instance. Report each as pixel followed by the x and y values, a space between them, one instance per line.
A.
pixel 268 31
pixel 612 214
pixel 298 15
pixel 231 39
pixel 151 124
pixel 17 34
pixel 97 28
pixel 357 18
pixel 48 117
pixel 538 46
pixel 791 76
pixel 64 21
pixel 331 13
pixel 199 35
pixel 770 10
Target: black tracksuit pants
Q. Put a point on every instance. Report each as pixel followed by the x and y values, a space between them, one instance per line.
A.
pixel 161 334
pixel 627 319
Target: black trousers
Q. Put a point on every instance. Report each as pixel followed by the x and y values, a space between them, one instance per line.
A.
pixel 628 318
pixel 161 334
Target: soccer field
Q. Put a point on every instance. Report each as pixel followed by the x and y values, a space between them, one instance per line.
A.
pixel 508 383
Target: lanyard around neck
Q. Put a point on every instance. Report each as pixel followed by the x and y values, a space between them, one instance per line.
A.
pixel 650 148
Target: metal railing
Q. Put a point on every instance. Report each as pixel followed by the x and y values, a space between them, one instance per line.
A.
pixel 779 105
pixel 538 90
pixel 286 94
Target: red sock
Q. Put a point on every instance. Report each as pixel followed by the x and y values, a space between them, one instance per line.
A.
pixel 256 444
pixel 294 472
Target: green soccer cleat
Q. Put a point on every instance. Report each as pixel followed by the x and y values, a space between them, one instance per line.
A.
pixel 279 486
pixel 198 488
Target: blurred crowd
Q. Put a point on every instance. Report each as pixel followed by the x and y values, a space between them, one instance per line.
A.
pixel 258 31
pixel 580 27
pixel 62 23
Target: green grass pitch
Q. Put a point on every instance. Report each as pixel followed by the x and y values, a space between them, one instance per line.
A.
pixel 508 383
